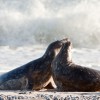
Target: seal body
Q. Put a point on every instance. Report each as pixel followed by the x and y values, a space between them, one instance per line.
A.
pixel 72 77
pixel 33 75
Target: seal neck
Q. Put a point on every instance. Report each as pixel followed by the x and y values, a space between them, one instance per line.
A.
pixel 65 54
pixel 49 54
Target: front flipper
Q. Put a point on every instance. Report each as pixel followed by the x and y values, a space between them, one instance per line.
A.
pixel 15 84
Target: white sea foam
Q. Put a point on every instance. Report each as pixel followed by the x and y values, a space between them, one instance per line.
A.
pixel 13 58
pixel 42 21
pixel 26 24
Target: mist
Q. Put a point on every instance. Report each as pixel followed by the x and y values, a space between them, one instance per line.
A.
pixel 26 23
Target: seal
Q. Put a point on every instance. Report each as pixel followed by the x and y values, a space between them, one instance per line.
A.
pixel 71 77
pixel 34 75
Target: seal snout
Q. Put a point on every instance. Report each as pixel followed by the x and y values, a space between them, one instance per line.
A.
pixel 64 40
pixel 66 45
pixel 61 42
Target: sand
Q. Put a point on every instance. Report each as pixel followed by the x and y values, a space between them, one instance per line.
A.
pixel 48 95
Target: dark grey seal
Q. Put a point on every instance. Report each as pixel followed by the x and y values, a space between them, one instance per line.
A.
pixel 72 77
pixel 34 75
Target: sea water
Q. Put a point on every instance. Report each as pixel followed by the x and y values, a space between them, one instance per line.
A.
pixel 27 27
pixel 11 58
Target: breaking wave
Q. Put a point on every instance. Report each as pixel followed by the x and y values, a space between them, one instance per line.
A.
pixel 32 22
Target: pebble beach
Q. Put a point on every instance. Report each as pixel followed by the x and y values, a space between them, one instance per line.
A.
pixel 45 95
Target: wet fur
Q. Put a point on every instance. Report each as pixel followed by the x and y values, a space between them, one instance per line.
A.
pixel 71 77
pixel 34 75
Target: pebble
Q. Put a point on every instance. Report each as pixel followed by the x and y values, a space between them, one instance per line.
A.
pixel 47 97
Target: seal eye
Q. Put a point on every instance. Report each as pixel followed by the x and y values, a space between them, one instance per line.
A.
pixel 68 43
